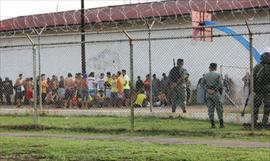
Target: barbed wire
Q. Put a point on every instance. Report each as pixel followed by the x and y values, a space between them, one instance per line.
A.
pixel 137 30
pixel 136 39
pixel 138 15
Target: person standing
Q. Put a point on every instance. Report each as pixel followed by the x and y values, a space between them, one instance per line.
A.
pixel 200 95
pixel 155 87
pixel 1 91
pixel 114 91
pixel 108 85
pixel 55 86
pixel 101 83
pixel 262 88
pixel 84 91
pixel 139 84
pixel 126 87
pixel 61 91
pixel 188 86
pixel 29 91
pixel 246 81
pixel 69 90
pixel 177 81
pixel 19 88
pixel 120 84
pixel 212 81
pixel 146 84
pixel 43 88
pixel 8 90
pixel 92 87
pixel 77 99
pixel 164 85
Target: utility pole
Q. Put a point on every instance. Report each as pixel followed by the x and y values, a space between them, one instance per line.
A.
pixel 57 6
pixel 82 38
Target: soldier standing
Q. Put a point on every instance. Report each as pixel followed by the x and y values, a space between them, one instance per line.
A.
pixel 177 77
pixel 212 81
pixel 262 88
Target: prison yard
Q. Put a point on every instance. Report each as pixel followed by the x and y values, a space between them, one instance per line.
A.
pixel 171 80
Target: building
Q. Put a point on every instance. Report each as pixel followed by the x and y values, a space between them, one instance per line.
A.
pixel 107 48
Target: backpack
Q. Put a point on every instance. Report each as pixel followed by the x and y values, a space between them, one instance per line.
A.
pixel 262 81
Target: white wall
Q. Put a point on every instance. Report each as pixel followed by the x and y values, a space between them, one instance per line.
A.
pixel 113 56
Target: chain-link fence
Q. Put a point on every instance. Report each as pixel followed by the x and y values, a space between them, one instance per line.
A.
pixel 147 57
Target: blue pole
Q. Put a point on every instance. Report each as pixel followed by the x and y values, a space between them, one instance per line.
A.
pixel 239 38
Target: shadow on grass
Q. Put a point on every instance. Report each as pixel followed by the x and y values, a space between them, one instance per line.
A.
pixel 152 132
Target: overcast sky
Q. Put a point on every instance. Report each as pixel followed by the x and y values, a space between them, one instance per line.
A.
pixel 14 8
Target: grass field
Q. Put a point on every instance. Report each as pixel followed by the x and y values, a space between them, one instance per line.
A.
pixel 143 126
pixel 58 149
pixel 42 148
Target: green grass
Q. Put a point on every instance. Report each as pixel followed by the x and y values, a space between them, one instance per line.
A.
pixel 59 149
pixel 120 125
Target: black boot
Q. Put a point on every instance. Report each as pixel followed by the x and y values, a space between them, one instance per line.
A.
pixel 221 123
pixel 213 124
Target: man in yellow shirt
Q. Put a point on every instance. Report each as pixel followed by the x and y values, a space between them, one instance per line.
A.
pixel 126 87
pixel 43 88
pixel 140 99
pixel 114 91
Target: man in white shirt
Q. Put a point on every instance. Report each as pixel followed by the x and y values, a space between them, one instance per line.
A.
pixel 92 84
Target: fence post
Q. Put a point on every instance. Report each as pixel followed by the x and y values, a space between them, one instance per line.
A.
pixel 39 65
pixel 34 79
pixel 0 63
pixel 251 75
pixel 132 117
pixel 150 63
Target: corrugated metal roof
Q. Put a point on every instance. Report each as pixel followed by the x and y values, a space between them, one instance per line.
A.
pixel 127 12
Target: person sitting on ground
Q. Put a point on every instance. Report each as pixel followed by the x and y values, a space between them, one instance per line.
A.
pixel 100 98
pixel 140 100
pixel 163 99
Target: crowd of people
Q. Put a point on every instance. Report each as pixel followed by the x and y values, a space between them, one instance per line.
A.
pixel 88 90
pixel 116 90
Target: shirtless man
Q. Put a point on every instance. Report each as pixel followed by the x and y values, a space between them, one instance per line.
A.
pixel 19 89
pixel 70 89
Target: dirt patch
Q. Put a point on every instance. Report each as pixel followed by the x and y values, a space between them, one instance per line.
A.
pixel 216 142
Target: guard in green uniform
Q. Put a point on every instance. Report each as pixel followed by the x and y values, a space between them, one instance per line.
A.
pixel 212 82
pixel 177 77
pixel 262 88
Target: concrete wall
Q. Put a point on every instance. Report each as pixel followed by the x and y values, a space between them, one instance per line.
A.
pixel 113 56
